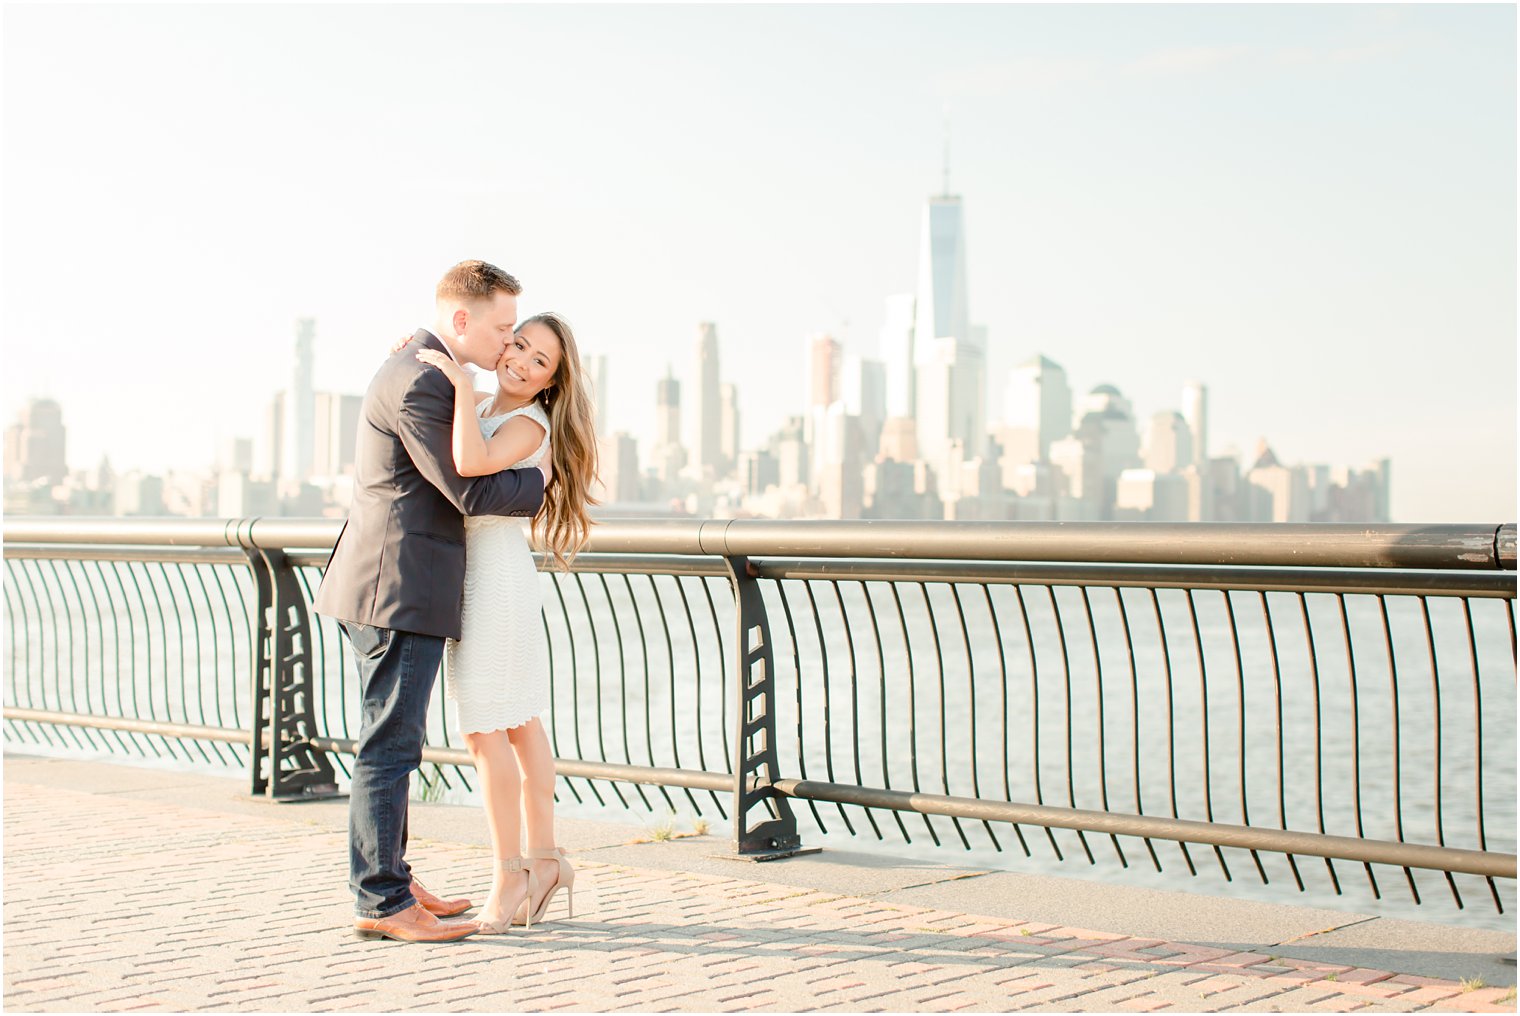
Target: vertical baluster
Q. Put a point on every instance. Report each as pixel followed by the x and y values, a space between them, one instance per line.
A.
pixel 1277 695
pixel 1134 718
pixel 1034 714
pixel 976 785
pixel 881 678
pixel 939 665
pixel 1171 724
pixel 1071 793
pixel 1472 651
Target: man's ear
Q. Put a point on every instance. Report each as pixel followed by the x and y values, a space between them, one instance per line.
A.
pixel 461 318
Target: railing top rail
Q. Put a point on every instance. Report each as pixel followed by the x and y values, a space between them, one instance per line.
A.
pixel 1436 546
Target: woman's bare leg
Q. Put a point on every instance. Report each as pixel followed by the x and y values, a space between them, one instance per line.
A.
pixel 536 760
pixel 496 763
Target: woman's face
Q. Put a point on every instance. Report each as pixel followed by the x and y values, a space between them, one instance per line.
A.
pixel 530 362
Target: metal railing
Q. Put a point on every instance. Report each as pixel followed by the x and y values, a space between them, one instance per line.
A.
pixel 1309 691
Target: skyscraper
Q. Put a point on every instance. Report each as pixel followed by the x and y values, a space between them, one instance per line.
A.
pixel 669 455
pixel 298 431
pixel 1169 443
pixel 941 310
pixel 896 345
pixel 864 390
pixel 1195 410
pixel 35 444
pixel 596 375
pixel 825 365
pixel 728 431
pixel 336 428
pixel 269 441
pixel 950 379
pixel 709 410
pixel 1038 399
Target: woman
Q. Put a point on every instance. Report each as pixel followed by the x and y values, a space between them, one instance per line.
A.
pixel 498 672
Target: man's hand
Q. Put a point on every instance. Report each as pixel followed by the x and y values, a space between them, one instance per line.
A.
pixel 546 465
pixel 451 370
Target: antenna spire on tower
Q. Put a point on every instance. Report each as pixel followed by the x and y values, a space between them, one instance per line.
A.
pixel 947 150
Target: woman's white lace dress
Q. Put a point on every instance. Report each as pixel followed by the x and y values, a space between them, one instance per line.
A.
pixel 497 674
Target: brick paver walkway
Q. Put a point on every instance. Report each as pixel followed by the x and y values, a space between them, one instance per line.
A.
pixel 119 904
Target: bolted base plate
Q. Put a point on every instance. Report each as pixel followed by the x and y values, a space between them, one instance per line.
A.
pixel 767 855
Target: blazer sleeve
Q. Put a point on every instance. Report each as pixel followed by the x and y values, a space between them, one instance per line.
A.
pixel 425 425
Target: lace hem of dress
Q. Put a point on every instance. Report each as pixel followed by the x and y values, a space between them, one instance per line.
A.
pixel 511 725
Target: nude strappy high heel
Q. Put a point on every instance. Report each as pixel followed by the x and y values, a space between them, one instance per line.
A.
pixel 566 882
pixel 501 927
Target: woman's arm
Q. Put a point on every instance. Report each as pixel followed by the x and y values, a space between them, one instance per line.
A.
pixel 469 445
pixel 513 441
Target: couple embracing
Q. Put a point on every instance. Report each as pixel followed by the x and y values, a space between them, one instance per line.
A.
pixel 432 566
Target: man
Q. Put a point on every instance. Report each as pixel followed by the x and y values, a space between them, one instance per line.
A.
pixel 396 580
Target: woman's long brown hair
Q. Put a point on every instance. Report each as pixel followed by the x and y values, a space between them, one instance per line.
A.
pixel 563 525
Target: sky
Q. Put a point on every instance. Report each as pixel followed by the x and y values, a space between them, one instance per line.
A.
pixel 1310 208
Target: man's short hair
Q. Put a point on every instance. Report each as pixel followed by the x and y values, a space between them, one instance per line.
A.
pixel 470 281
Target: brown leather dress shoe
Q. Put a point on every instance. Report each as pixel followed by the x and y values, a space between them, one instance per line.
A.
pixel 438 907
pixel 414 924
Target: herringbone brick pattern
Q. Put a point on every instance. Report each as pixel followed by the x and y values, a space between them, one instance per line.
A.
pixel 116 904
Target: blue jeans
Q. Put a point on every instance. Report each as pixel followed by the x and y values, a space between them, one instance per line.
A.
pixel 396 671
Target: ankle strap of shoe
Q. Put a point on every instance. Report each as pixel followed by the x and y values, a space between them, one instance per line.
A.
pixel 546 854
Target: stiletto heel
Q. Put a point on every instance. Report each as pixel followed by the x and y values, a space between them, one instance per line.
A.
pixel 501 927
pixel 566 881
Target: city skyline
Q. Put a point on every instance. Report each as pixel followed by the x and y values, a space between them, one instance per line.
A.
pixel 1312 209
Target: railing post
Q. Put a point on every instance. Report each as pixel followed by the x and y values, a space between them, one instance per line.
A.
pixel 775 836
pixel 284 763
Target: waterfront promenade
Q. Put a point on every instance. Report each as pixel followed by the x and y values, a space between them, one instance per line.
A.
pixel 139 889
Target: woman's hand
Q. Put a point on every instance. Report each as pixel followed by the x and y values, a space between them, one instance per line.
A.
pixel 451 370
pixel 396 346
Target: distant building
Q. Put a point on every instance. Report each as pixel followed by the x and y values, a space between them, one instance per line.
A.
pixel 789 446
pixel 600 383
pixel 36 445
pixel 899 440
pixel 837 459
pixel 728 425
pixel 825 365
pixel 236 455
pixel 618 458
pixel 1195 410
pixel 1146 495
pixel 942 310
pixel 949 355
pixel 950 400
pixel 864 391
pixel 896 344
pixel 893 489
pixel 708 415
pixel 1168 443
pixel 269 442
pixel 1112 444
pixel 335 433
pixel 669 456
pixel 1226 490
pixel 139 493
pixel 1038 400
pixel 298 430
pixel 1274 492
pixel 757 471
